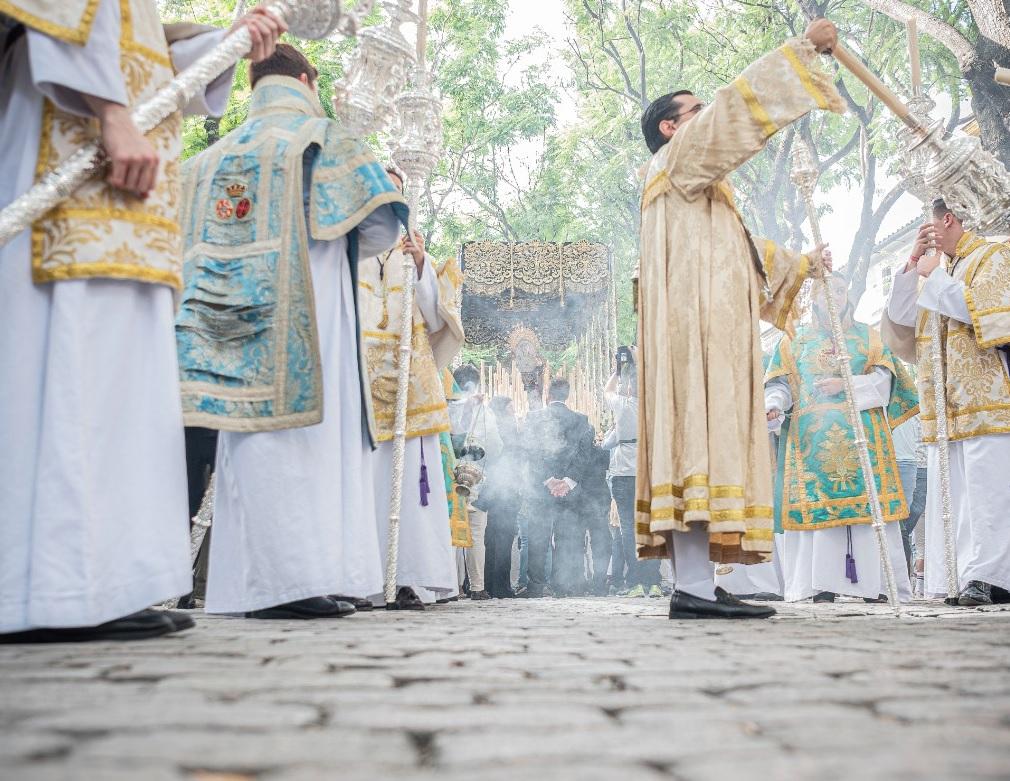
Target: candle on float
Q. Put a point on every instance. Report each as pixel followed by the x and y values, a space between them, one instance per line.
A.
pixel 913 56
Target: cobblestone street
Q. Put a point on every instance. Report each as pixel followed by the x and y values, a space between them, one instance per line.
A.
pixel 604 689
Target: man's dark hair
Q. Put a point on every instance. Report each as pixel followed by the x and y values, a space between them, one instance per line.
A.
pixel 393 171
pixel 661 108
pixel 466 373
pixel 285 61
pixel 941 208
pixel 559 390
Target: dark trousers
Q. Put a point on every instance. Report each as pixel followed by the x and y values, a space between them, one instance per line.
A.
pixel 502 528
pixel 638 572
pixel 570 531
pixel 617 562
pixel 201 450
pixel 913 483
pixel 541 521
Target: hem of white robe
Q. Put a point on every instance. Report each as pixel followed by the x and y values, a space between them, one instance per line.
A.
pixel 263 601
pixel 91 608
pixel 970 574
pixel 852 589
pixel 427 594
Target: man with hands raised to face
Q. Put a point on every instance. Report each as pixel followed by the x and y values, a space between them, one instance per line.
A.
pixel 964 280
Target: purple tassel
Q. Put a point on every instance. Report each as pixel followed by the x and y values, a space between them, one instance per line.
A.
pixel 850 561
pixel 425 488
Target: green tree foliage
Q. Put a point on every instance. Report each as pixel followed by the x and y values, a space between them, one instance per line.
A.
pixel 510 171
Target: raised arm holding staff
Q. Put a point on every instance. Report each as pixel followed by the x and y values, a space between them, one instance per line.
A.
pixel 704 488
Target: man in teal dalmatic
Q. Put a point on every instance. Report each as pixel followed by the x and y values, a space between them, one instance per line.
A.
pixel 821 503
pixel 277 214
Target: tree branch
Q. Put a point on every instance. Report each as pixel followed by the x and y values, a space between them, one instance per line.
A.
pixel 946 34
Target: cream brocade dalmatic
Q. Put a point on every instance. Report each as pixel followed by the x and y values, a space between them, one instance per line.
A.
pixel 380 286
pixel 978 388
pixel 703 451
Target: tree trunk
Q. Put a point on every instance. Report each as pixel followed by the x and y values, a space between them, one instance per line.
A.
pixel 212 126
pixel 990 101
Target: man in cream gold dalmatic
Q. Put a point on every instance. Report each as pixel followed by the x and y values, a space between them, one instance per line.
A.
pixel 967 284
pixel 704 490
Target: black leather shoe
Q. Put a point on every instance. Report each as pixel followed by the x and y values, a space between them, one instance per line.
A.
pixel 361 604
pixel 1000 596
pixel 406 599
pixel 824 596
pixel 881 599
pixel 186 602
pixel 138 626
pixel 480 596
pixel 725 605
pixel 976 593
pixel 305 609
pixel 180 621
pixel 761 596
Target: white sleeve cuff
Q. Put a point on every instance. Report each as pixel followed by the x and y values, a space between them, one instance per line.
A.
pixel 944 294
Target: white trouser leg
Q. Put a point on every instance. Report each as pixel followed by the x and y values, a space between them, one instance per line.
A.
pixel 475 554
pixel 693 572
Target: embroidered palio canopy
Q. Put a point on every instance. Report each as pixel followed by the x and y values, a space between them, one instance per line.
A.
pixel 552 288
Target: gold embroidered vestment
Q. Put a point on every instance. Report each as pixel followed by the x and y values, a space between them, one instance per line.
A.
pixel 100 231
pixel 380 294
pixel 977 385
pixel 703 454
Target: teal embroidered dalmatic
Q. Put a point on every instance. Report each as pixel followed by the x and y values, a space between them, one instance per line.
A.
pixel 246 329
pixel 818 482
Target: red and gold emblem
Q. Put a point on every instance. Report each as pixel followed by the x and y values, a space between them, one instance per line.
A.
pixel 235 205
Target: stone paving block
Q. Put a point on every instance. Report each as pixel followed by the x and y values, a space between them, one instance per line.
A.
pixel 574 770
pixel 242 751
pixel 436 719
pixel 109 771
pixel 157 712
pixel 540 689
pixel 19 746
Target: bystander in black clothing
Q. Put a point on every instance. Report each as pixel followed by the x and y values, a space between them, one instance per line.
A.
pixel 558 443
pixel 592 519
pixel 501 497
pixel 201 450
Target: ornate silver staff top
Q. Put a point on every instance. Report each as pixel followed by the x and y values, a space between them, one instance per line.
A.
pixel 305 18
pixel 971 180
pixel 364 101
pixel 804 175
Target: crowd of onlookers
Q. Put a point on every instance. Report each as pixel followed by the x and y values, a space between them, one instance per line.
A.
pixel 554 514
